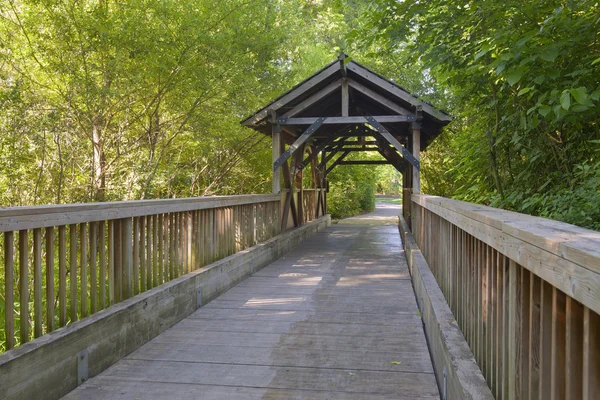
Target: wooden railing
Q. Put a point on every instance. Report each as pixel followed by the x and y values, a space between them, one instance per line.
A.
pixel 63 263
pixel 525 292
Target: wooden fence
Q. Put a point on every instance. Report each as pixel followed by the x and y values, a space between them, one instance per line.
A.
pixel 525 292
pixel 63 263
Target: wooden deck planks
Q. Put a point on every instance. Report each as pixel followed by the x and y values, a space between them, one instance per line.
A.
pixel 335 318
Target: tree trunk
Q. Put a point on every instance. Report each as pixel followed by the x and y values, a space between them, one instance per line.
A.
pixel 99 163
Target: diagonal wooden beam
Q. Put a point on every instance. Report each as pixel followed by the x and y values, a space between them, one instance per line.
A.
pixel 393 141
pixel 299 142
pixel 373 95
pixel 332 87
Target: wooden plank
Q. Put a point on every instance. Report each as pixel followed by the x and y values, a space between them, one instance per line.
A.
pixel 23 286
pixel 149 253
pixel 103 266
pixel 142 251
pixel 9 291
pixel 557 367
pixel 62 275
pixel 535 294
pixel 345 98
pixel 591 355
pixel 416 153
pixel 118 261
pixel 136 256
pixel 111 262
pixel 524 338
pixel 269 328
pixel 49 279
pixel 93 267
pixel 155 280
pixel 345 120
pixel 581 283
pixel 37 283
pixel 574 350
pixel 162 269
pixel 83 240
pixel 19 218
pixel 73 271
pixel 513 331
pixel 546 350
pixel 500 377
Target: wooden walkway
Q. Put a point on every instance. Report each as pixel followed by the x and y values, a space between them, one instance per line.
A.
pixel 336 318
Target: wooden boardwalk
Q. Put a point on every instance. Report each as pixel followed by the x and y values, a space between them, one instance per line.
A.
pixel 336 318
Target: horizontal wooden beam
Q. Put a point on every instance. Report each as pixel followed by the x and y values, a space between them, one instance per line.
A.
pixel 20 218
pixel 364 162
pixel 355 149
pixel 346 120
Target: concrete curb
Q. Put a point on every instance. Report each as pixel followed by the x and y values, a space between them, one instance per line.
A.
pixel 456 370
pixel 54 364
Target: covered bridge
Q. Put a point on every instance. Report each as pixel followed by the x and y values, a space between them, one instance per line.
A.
pixel 261 297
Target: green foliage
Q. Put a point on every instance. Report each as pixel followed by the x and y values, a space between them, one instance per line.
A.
pixel 522 80
pixel 351 189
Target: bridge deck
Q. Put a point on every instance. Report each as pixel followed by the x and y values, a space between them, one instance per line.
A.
pixel 335 318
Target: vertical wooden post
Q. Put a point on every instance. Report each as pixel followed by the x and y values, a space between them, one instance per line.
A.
pixel 345 98
pixel 276 153
pixel 9 292
pixel 416 151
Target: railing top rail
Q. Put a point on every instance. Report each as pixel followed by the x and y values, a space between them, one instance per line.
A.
pixel 18 218
pixel 565 255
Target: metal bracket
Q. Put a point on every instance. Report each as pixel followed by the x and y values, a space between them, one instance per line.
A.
pixel 82 366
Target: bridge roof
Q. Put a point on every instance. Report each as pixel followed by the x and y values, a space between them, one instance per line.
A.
pixel 369 94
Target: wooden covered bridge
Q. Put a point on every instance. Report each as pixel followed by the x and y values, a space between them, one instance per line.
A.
pixel 260 297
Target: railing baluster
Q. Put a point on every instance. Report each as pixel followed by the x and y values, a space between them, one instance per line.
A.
pixel 111 262
pixel 9 291
pixel 84 268
pixel 23 286
pixel 37 283
pixel 136 256
pixel 93 234
pixel 90 265
pixel 103 265
pixel 50 279
pixel 62 275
